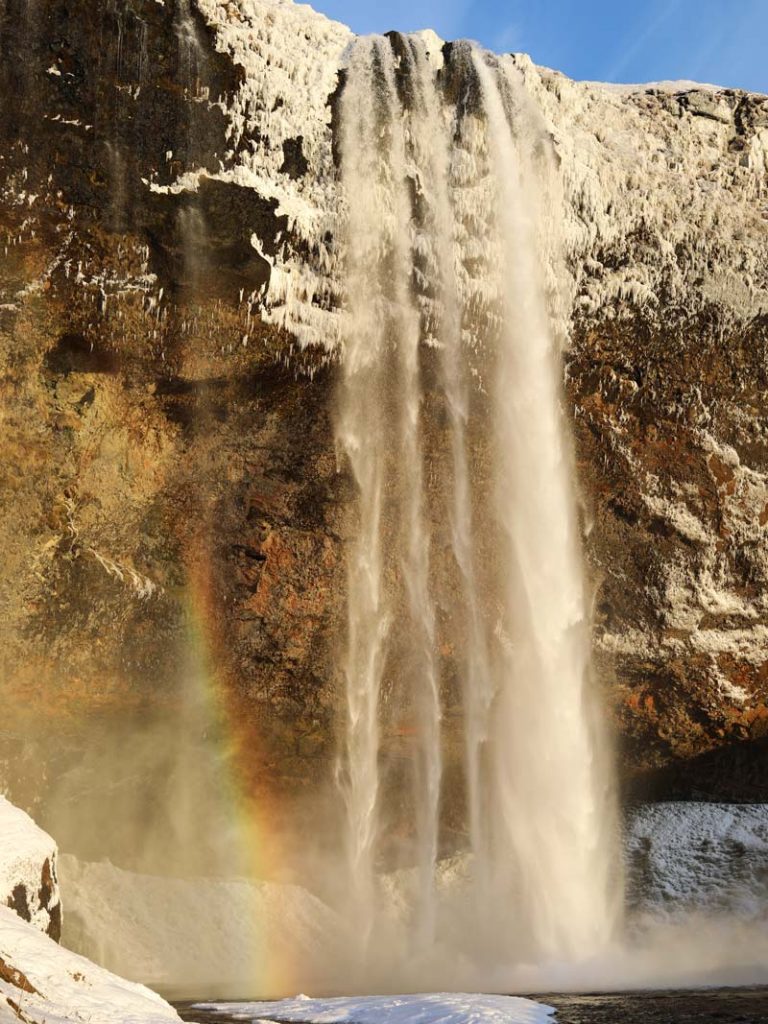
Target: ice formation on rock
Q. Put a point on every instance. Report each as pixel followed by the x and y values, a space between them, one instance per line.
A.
pixel 666 185
pixel 291 58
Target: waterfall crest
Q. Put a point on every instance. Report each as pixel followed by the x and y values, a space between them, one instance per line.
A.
pixel 467 539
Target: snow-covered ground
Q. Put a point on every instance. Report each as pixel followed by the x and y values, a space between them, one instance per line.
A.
pixel 435 1008
pixel 50 985
pixel 40 982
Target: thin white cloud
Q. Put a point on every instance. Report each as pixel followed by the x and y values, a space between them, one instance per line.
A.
pixel 722 53
pixel 446 17
pixel 641 42
pixel 509 38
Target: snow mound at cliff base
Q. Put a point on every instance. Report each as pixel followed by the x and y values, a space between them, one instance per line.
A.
pixel 204 935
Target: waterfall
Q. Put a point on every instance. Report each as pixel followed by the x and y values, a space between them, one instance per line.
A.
pixel 467 536
pixel 382 441
pixel 546 775
pixel 191 55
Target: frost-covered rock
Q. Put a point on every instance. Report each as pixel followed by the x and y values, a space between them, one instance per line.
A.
pixel 664 185
pixel 28 870
pixel 665 195
pixel 291 57
pixel 709 859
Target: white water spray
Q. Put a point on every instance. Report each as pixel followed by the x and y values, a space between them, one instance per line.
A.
pixel 445 283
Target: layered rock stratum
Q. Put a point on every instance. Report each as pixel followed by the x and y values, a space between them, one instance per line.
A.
pixel 172 502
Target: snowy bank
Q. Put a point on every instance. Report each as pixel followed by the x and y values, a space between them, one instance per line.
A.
pixel 41 982
pixel 28 878
pixel 435 1008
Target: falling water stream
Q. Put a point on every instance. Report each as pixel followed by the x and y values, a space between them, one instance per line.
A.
pixel 445 173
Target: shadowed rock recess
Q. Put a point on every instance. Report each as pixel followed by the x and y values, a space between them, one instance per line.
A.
pixel 172 504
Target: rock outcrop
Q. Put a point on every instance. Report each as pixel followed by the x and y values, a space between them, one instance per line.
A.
pixel 28 875
pixel 171 500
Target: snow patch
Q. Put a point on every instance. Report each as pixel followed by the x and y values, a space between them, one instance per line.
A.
pixel 434 1008
pixel 40 982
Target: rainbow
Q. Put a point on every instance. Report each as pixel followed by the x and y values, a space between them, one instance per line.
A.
pixel 244 787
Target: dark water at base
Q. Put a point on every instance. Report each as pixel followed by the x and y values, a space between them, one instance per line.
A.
pixel 725 1006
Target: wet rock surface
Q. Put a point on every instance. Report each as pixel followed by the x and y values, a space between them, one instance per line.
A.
pixel 670 443
pixel 730 1006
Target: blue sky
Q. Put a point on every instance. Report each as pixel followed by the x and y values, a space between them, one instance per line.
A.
pixel 720 41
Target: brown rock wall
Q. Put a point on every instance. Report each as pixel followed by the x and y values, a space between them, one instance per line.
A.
pixel 169 468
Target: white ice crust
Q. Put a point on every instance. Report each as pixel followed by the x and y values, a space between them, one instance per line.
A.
pixel 434 1008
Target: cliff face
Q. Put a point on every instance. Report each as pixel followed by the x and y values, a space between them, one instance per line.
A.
pixel 172 503
pixel 665 371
